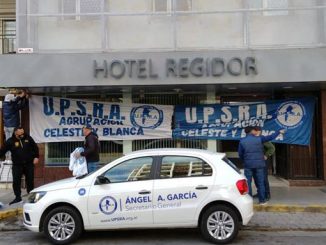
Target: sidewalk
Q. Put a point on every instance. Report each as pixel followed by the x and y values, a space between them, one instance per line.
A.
pixel 6 196
pixel 294 199
pixel 290 208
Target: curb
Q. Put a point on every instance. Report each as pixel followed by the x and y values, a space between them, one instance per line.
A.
pixel 10 213
pixel 274 229
pixel 281 208
pixel 277 208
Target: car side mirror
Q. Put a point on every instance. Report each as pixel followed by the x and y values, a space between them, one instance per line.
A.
pixel 102 180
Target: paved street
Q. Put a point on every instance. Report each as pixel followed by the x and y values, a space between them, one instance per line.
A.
pixel 261 221
pixel 264 228
pixel 172 237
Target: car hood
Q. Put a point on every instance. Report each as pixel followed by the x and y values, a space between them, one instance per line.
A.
pixel 60 184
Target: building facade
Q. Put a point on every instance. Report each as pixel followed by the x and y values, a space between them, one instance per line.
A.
pixel 173 52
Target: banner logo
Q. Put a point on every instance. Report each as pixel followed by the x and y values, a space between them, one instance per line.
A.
pixel 290 114
pixel 108 205
pixel 146 116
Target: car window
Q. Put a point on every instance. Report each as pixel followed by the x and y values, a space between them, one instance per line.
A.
pixel 131 170
pixel 231 164
pixel 182 166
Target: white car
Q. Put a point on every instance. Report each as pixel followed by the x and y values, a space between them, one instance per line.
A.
pixel 161 188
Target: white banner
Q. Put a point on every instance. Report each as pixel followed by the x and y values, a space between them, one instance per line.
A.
pixel 61 119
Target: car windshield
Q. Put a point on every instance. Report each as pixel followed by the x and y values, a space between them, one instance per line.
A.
pixel 231 164
pixel 83 176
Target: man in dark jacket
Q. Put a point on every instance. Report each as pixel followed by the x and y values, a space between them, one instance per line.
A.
pixel 251 152
pixel 24 154
pixel 91 149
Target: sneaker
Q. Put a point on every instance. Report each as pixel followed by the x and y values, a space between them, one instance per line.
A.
pixel 16 200
pixel 255 196
pixel 263 203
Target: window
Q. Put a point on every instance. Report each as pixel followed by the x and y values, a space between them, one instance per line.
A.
pixel 8 36
pixel 271 4
pixel 170 5
pixel 181 166
pixel 231 164
pixel 77 7
pixel 131 170
pixel 58 153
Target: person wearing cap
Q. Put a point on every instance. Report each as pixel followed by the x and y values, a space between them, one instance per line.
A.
pixel 251 152
pixel 91 149
pixel 25 154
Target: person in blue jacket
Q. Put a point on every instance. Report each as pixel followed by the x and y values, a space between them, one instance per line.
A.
pixel 11 113
pixel 251 152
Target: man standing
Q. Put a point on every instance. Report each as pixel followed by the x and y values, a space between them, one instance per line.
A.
pixel 251 152
pixel 91 149
pixel 25 154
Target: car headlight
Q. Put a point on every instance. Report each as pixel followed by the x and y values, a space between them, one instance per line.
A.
pixel 34 197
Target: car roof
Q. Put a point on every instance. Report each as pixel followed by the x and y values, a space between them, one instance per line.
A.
pixel 183 151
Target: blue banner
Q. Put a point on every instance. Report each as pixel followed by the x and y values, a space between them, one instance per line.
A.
pixel 227 121
pixel 61 119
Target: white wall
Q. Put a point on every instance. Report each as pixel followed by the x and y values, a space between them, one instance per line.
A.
pixel 65 32
pixel 216 31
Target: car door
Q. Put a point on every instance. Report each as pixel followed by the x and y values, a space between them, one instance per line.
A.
pixel 127 200
pixel 182 185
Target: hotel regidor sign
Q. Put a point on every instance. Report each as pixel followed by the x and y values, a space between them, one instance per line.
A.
pixel 174 68
pixel 163 68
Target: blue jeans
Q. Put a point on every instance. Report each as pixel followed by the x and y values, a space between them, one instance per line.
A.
pixel 92 166
pixel 259 177
pixel 8 133
pixel 267 189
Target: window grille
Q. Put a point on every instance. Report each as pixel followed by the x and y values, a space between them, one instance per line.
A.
pixel 79 7
pixel 282 4
pixel 58 153
pixel 168 99
pixel 271 4
pixel 171 5
pixel 8 36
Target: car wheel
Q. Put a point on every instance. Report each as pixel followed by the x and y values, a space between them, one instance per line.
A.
pixel 219 224
pixel 62 225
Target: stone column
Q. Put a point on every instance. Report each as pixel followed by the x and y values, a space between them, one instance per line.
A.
pixel 212 145
pixel 323 122
pixel 1 126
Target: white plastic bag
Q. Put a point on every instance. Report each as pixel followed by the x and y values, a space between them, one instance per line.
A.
pixel 78 166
